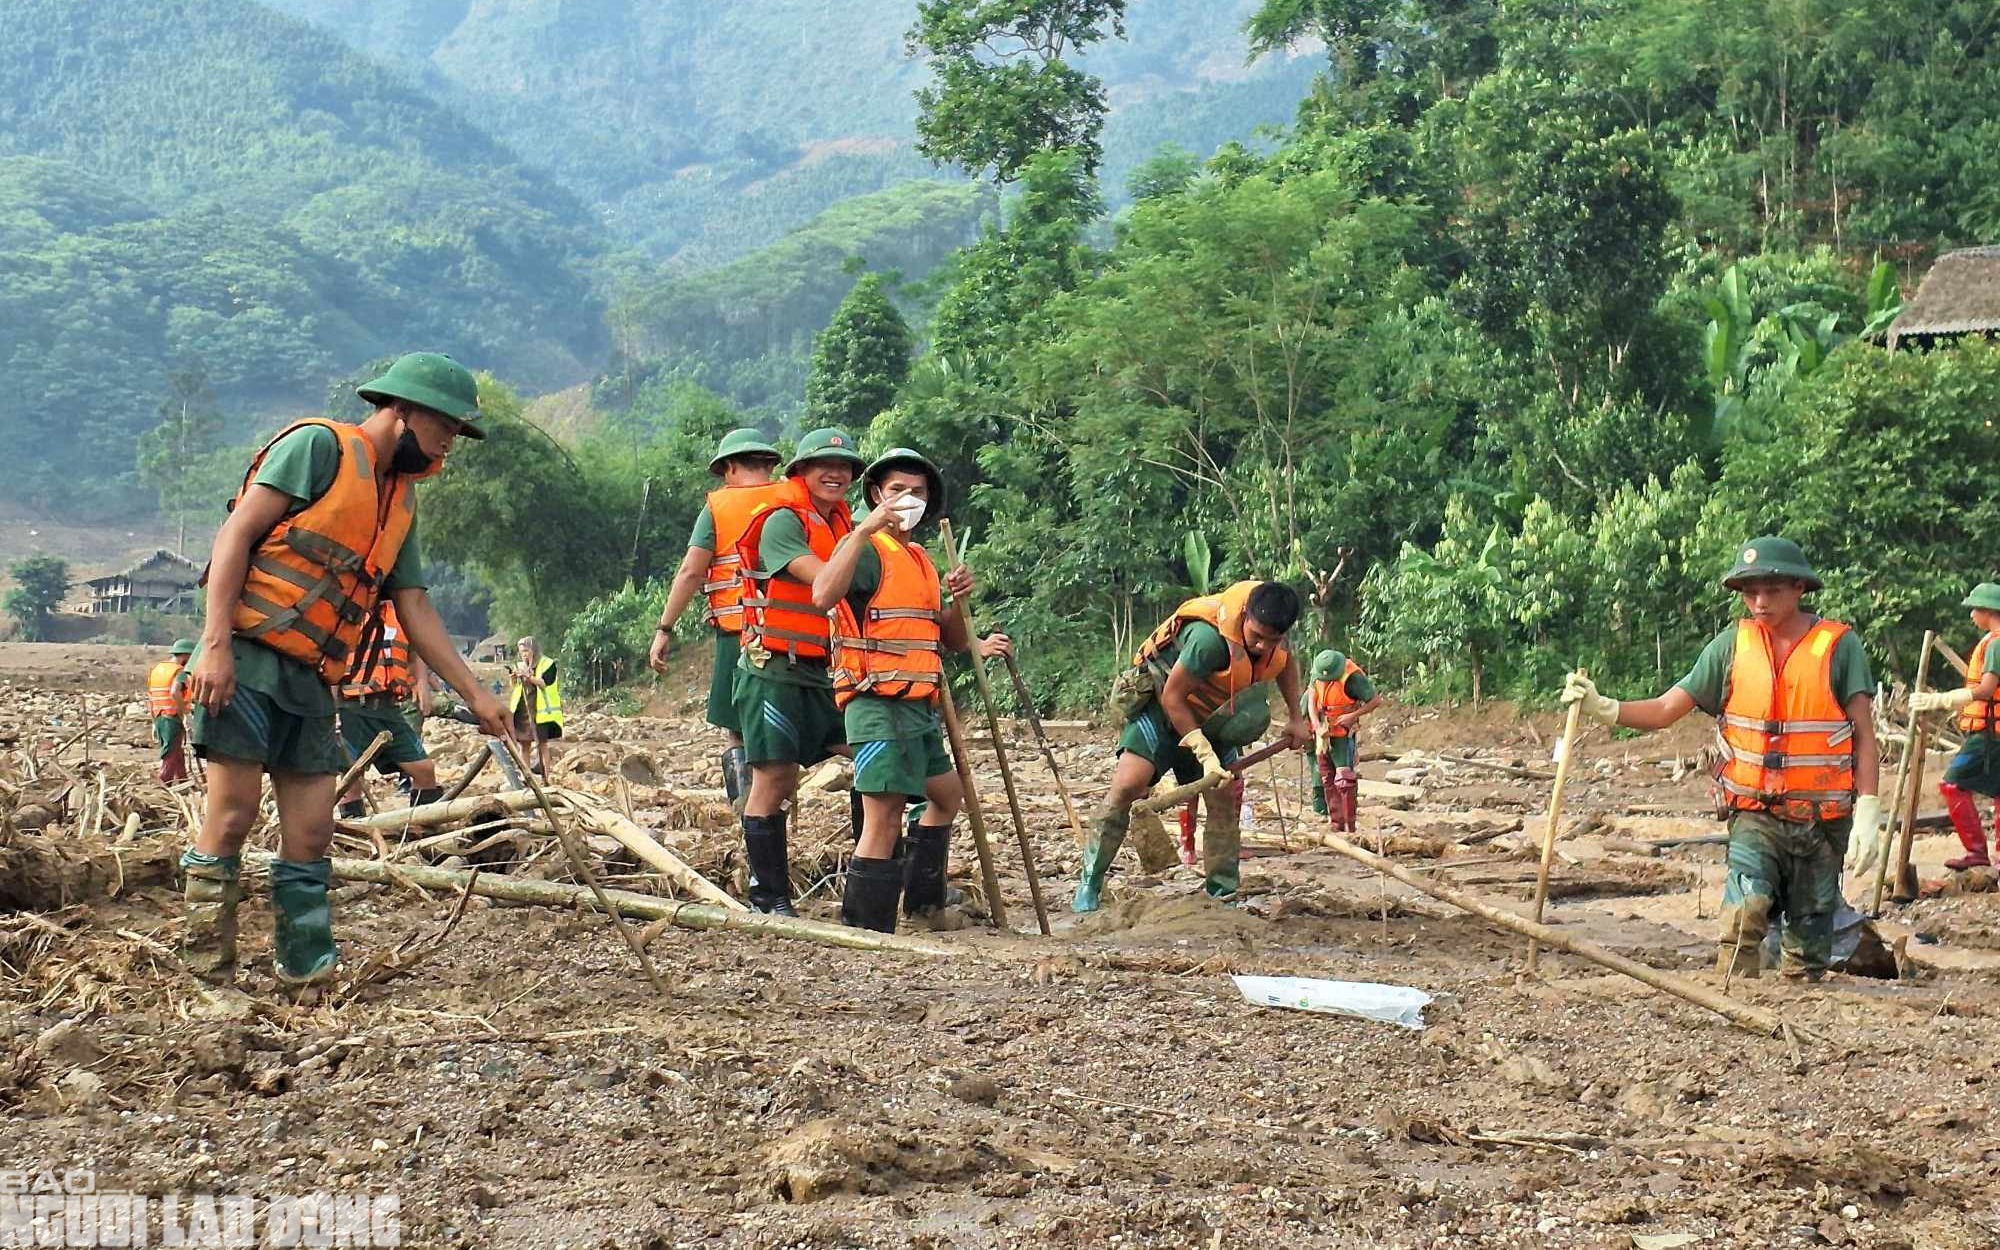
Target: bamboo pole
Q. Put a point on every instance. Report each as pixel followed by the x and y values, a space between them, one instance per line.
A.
pixel 640 843
pixel 1167 800
pixel 360 765
pixel 472 770
pixel 1913 749
pixel 1756 1019
pixel 975 816
pixel 1027 702
pixel 1568 749
pixel 443 813
pixel 962 604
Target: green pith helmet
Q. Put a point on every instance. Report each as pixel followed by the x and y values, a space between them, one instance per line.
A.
pixel 183 646
pixel 1771 556
pixel 430 380
pixel 910 460
pixel 1327 665
pixel 826 444
pixel 1984 595
pixel 1241 721
pixel 743 442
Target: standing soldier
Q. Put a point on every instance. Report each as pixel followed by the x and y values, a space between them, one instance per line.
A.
pixel 784 690
pixel 890 631
pixel 745 462
pixel 371 702
pixel 323 526
pixel 1793 698
pixel 1196 663
pixel 166 700
pixel 535 702
pixel 1976 767
pixel 1341 696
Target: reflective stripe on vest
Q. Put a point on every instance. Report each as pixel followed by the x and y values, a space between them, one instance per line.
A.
pixel 1225 612
pixel 383 662
pixel 1332 700
pixel 1787 745
pixel 548 700
pixel 1978 716
pixel 778 611
pixel 895 651
pixel 314 579
pixel 731 508
pixel 165 696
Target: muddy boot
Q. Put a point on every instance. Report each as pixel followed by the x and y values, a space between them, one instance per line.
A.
pixel 736 777
pixel 770 868
pixel 1739 948
pixel 208 939
pixel 426 796
pixel 1346 792
pixel 869 898
pixel 1187 833
pixel 303 920
pixel 1221 848
pixel 351 809
pixel 1965 822
pixel 924 869
pixel 1107 834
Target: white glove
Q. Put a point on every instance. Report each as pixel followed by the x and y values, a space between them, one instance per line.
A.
pixel 1939 700
pixel 1869 841
pixel 1198 745
pixel 909 510
pixel 1580 689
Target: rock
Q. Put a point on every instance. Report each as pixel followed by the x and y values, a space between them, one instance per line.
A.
pixel 640 770
pixel 80 1087
pixel 833 774
pixel 32 817
pixel 981 1091
pixel 67 1042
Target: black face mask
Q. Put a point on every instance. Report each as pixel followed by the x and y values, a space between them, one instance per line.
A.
pixel 409 457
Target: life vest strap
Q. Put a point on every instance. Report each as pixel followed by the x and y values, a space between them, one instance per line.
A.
pixel 277 619
pixel 889 646
pixel 1842 728
pixel 905 614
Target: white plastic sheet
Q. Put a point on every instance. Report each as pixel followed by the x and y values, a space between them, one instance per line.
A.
pixel 1369 1000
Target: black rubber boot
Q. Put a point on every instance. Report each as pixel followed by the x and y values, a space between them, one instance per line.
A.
pixel 352 809
pixel 432 794
pixel 869 900
pixel 770 871
pixel 923 870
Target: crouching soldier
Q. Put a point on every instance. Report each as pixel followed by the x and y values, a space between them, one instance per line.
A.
pixel 1341 696
pixel 1792 697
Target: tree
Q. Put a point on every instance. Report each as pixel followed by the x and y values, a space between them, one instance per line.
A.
pixel 1003 89
pixel 40 582
pixel 175 454
pixel 859 360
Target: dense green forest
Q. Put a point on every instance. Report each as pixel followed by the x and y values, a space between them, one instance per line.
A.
pixel 1536 312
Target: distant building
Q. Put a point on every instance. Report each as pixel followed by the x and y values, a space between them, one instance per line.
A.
pixel 1959 296
pixel 161 581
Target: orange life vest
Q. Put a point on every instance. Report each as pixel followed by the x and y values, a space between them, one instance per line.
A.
pixel 384 662
pixel 1978 716
pixel 313 580
pixel 166 694
pixel 731 508
pixel 778 611
pixel 1787 745
pixel 895 650
pixel 1332 700
pixel 1225 612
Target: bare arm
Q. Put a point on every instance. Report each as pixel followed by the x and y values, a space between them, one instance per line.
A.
pixel 688 580
pixel 1174 701
pixel 432 643
pixel 1867 754
pixel 1988 686
pixel 212 682
pixel 1658 712
pixel 831 579
pixel 420 684
pixel 1355 714
pixel 1296 727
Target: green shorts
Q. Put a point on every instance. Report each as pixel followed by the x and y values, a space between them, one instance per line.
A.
pixel 360 722
pixel 900 765
pixel 1976 767
pixel 253 729
pixel 167 734
pixel 1150 736
pixel 722 681
pixel 784 723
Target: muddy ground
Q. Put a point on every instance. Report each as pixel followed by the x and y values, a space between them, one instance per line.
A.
pixel 524 1086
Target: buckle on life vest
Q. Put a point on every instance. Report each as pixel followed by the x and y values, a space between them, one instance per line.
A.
pixel 1774 760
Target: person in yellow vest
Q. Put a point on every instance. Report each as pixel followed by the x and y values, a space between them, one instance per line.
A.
pixel 1975 770
pixel 371 702
pixel 1341 695
pixel 784 689
pixel 1793 700
pixel 321 529
pixel 890 632
pixel 166 701
pixel 745 462
pixel 535 701
pixel 1189 671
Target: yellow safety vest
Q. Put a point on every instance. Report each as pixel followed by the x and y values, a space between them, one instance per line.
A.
pixel 548 703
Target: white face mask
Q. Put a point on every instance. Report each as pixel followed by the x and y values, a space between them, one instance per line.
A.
pixel 909 510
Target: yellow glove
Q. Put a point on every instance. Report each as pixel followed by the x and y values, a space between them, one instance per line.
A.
pixel 1198 745
pixel 1869 841
pixel 1580 689
pixel 1940 700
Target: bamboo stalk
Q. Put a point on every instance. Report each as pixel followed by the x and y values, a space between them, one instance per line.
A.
pixel 1756 1019
pixel 975 816
pixel 1568 749
pixel 1167 800
pixel 1913 749
pixel 465 778
pixel 1027 701
pixel 367 757
pixel 443 813
pixel 640 843
pixel 962 604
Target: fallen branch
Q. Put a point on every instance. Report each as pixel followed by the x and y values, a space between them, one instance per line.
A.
pixel 642 844
pixel 444 813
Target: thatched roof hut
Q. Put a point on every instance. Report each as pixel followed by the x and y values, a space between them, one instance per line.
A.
pixel 1960 295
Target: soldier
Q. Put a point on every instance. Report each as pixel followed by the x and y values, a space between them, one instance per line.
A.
pixel 1975 770
pixel 371 702
pixel 166 701
pixel 1341 696
pixel 1793 698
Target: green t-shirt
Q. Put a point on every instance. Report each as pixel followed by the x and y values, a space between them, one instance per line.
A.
pixel 302 464
pixel 783 541
pixel 1200 649
pixel 703 535
pixel 1708 681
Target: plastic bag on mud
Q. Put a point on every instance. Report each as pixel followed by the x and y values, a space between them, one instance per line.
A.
pixel 1369 1000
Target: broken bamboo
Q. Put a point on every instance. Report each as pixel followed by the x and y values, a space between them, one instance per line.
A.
pixel 1167 800
pixel 1568 749
pixel 1913 749
pixel 1027 701
pixel 640 843
pixel 445 812
pixel 975 816
pixel 360 765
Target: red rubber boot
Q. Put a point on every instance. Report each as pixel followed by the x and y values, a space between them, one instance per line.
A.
pixel 1187 833
pixel 1965 821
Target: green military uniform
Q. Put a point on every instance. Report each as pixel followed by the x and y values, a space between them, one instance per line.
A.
pixel 362 719
pixel 1976 767
pixel 898 743
pixel 725 647
pixel 784 707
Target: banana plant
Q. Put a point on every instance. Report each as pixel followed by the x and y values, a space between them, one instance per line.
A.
pixel 1731 320
pixel 1885 300
pixel 1199 560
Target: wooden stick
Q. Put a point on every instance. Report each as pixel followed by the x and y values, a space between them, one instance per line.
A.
pixel 1756 1019
pixel 472 770
pixel 1568 749
pixel 443 813
pixel 582 868
pixel 367 757
pixel 1167 800
pixel 962 604
pixel 975 816
pixel 640 843
pixel 1913 748
pixel 1027 702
